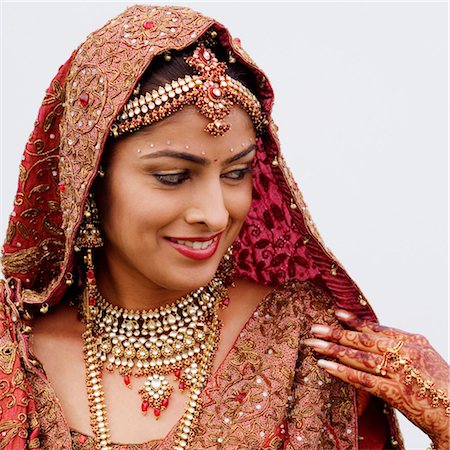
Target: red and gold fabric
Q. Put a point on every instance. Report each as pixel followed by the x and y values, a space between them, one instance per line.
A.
pixel 279 246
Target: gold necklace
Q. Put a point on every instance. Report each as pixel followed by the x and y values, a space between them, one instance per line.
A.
pixel 180 338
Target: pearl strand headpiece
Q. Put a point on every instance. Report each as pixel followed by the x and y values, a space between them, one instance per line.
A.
pixel 210 89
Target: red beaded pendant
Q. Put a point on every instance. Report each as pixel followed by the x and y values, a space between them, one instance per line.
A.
pixel 144 407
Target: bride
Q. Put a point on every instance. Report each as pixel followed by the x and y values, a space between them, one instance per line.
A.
pixel 165 286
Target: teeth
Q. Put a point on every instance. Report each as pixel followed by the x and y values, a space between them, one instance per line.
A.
pixel 196 244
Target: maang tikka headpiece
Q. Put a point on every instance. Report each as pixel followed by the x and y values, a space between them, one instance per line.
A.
pixel 210 89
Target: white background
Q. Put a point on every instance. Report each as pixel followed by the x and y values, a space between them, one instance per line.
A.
pixel 362 104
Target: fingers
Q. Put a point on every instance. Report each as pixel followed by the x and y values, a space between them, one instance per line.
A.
pixel 368 342
pixel 381 387
pixel 354 322
pixel 356 359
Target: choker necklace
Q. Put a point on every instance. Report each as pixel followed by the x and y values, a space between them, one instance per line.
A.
pixel 179 340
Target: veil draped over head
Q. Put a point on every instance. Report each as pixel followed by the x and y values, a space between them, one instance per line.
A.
pixel 278 241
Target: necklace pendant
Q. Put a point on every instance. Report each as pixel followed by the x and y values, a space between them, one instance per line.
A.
pixel 127 381
pixel 155 394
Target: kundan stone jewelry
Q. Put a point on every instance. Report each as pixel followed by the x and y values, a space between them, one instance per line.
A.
pixel 209 88
pixel 179 339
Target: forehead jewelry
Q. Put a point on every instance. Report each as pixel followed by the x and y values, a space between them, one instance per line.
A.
pixel 210 89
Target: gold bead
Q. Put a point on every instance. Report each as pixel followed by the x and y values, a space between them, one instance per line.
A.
pixel 137 89
pixel 361 300
pixel 69 280
pixel 115 131
pixel 214 34
pixel 293 206
pixel 275 162
pixel 167 57
pixel 44 308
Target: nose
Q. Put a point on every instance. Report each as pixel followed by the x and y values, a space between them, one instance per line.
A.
pixel 208 206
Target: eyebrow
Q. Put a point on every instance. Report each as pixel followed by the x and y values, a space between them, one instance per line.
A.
pixel 194 158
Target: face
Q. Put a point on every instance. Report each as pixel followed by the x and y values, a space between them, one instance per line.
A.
pixel 174 198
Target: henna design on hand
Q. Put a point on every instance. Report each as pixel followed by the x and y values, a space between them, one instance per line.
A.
pixel 425 381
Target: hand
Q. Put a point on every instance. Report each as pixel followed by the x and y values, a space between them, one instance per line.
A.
pixel 378 359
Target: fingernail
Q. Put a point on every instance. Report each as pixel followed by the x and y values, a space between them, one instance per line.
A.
pixel 343 314
pixel 325 364
pixel 321 330
pixel 316 343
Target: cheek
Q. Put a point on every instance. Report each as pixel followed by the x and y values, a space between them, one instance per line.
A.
pixel 138 211
pixel 239 202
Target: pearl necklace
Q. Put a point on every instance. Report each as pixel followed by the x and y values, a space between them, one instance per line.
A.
pixel 180 338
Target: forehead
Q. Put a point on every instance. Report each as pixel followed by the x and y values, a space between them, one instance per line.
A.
pixel 188 126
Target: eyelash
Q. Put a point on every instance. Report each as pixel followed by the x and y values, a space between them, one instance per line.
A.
pixel 183 176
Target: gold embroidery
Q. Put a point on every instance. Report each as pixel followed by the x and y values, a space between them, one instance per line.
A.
pixel 8 430
pixel 7 357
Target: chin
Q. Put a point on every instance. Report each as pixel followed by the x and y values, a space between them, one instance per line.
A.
pixel 188 279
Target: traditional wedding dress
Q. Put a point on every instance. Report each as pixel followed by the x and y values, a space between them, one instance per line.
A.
pixel 269 391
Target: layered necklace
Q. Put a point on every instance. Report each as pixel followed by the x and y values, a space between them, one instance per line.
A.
pixel 178 340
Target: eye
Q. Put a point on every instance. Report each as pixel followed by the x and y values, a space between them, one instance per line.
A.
pixel 238 174
pixel 172 179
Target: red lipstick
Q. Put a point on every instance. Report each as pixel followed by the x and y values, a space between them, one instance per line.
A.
pixel 196 253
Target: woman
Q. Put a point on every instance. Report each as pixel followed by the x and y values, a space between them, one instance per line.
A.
pixel 160 253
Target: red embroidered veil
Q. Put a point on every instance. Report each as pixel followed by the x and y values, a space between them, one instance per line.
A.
pixel 278 241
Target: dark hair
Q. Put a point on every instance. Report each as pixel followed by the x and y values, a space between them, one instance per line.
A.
pixel 162 71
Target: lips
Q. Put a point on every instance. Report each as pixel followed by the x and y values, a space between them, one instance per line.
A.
pixel 196 248
pixel 197 245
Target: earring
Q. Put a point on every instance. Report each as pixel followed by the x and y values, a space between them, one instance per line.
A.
pixel 87 239
pixel 227 267
pixel 89 234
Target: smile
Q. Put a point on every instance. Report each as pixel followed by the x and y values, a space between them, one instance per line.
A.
pixel 197 244
pixel 195 249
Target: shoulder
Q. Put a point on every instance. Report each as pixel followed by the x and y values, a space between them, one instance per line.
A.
pixel 306 297
pixel 306 302
pixel 60 321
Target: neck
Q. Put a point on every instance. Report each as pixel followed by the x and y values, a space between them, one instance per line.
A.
pixel 120 285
